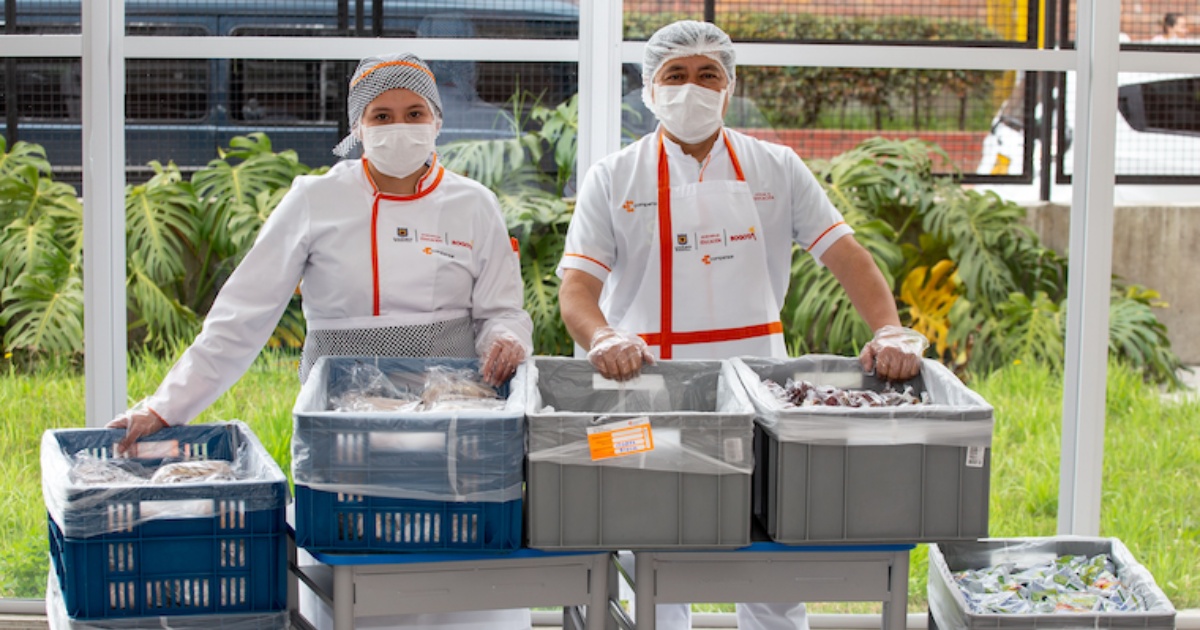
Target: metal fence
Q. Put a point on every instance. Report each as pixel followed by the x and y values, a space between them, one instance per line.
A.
pixel 991 123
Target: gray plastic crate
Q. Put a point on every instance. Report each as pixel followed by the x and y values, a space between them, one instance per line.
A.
pixel 691 491
pixel 917 473
pixel 948 609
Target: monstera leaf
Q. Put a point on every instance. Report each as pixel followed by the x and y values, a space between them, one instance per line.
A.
pixel 930 293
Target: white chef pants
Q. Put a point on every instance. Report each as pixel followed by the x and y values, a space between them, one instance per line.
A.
pixel 772 617
pixel 749 617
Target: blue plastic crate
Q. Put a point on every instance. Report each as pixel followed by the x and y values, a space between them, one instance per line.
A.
pixel 56 615
pixel 179 549
pixel 405 480
pixel 338 522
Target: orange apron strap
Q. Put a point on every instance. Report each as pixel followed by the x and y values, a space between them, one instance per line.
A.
pixel 666 337
pixel 666 251
pixel 718 335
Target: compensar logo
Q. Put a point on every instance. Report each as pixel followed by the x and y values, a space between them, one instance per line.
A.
pixel 749 235
pixel 631 205
pixel 427 251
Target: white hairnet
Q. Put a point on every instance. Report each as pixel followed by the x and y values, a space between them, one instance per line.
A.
pixel 686 38
pixel 376 75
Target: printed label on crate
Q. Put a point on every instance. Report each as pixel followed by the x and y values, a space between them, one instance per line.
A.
pixel 620 438
pixel 975 456
pixel 733 450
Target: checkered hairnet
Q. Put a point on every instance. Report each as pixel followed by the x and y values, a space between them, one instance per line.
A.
pixel 376 75
pixel 686 38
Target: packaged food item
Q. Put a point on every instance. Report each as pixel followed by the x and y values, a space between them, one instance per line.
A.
pixel 807 394
pixel 207 471
pixel 1069 584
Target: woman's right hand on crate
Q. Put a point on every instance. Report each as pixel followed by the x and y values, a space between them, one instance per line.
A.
pixel 138 422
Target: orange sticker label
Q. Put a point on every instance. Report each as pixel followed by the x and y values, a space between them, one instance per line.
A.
pixel 620 438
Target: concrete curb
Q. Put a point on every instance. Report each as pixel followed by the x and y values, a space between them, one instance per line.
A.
pixel 1184 620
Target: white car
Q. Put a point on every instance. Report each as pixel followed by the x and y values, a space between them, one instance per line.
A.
pixel 1157 135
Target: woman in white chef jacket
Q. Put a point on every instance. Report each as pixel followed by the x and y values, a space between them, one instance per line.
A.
pixel 394 256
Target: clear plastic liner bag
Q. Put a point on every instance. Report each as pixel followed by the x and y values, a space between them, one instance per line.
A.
pixel 949 414
pixel 694 414
pixel 448 388
pixel 366 388
pixel 87 469
pixel 90 491
pixel 461 440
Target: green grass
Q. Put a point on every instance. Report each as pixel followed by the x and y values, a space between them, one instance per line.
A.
pixel 1151 464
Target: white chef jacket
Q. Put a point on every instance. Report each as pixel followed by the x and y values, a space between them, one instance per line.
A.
pixel 362 260
pixel 611 235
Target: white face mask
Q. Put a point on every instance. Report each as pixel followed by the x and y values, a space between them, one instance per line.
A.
pixel 690 112
pixel 399 149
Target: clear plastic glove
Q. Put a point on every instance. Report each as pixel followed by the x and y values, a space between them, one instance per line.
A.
pixel 617 354
pixel 894 354
pixel 138 422
pixel 504 354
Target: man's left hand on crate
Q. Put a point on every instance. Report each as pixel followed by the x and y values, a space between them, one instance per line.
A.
pixel 139 421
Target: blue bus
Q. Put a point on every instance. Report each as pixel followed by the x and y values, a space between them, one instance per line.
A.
pixel 182 110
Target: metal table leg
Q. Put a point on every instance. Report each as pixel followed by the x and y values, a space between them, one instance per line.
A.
pixel 895 610
pixel 343 597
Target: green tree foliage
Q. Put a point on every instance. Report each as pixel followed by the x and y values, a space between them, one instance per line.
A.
pixel 183 238
pixel 999 295
pixel 1008 297
pixel 41 302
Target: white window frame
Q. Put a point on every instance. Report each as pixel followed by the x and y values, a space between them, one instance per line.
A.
pixel 600 50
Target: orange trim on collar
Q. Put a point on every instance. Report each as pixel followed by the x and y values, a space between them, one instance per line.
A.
pixel 434 166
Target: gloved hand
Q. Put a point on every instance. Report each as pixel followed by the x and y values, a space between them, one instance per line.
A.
pixel 504 354
pixel 617 354
pixel 139 421
pixel 894 354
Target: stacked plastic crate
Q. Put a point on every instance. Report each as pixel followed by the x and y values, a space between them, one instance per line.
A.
pixel 830 473
pixel 126 550
pixel 404 480
pixel 662 461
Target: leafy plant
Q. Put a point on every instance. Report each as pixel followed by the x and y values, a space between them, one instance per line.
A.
pixel 973 277
pixel 183 238
pixel 41 302
pixel 530 174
